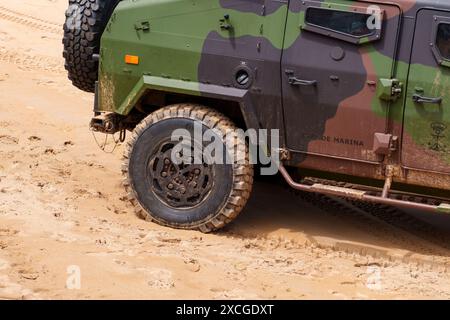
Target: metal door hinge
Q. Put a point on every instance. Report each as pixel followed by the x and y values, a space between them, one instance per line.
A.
pixel 389 89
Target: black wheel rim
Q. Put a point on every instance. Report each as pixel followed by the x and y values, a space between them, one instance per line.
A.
pixel 178 185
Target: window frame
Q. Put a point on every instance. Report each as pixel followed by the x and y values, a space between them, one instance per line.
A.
pixel 304 25
pixel 440 59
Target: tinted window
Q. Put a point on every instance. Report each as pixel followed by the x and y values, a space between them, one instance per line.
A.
pixel 443 40
pixel 351 23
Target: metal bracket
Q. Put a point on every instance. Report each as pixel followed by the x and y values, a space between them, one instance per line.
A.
pixel 390 173
pixel 142 26
pixel 225 23
pixel 389 89
pixel 284 154
pixel 384 144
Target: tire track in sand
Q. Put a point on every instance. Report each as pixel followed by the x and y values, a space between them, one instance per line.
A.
pixel 31 61
pixel 30 21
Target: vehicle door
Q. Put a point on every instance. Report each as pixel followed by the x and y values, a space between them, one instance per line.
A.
pixel 336 56
pixel 426 134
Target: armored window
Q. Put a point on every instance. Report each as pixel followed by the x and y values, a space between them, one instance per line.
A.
pixel 443 40
pixel 355 26
pixel 440 40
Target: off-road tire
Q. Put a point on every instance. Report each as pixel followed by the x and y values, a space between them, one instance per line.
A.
pixel 242 173
pixel 85 22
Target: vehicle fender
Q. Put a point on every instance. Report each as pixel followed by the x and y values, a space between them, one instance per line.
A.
pixel 241 96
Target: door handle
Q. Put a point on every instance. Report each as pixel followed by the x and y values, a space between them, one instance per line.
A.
pixel 299 82
pixel 417 98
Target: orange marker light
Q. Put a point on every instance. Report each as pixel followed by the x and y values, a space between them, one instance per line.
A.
pixel 131 59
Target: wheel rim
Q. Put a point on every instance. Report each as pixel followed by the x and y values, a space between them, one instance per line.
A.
pixel 183 185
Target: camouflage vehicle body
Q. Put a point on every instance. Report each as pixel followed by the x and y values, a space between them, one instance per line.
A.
pixel 330 127
pixel 363 109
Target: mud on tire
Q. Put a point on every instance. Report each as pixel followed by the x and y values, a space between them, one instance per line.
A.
pixel 85 22
pixel 231 184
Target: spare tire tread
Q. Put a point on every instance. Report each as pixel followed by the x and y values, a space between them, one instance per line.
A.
pixel 85 22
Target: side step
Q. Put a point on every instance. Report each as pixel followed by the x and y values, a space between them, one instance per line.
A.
pixel 338 191
pixel 444 207
pixel 360 195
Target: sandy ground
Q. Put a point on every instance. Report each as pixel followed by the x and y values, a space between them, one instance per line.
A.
pixel 67 231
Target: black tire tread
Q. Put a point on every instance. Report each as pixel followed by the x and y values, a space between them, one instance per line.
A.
pixel 84 25
pixel 242 172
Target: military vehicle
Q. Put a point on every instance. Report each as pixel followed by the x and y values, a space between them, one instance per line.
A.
pixel 359 91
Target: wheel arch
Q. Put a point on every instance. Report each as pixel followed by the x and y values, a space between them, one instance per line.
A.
pixel 152 93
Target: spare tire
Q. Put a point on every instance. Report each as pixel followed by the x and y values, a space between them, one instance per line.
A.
pixel 85 22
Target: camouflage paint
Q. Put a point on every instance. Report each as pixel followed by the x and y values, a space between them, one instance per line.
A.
pixel 185 50
pixel 315 115
pixel 425 147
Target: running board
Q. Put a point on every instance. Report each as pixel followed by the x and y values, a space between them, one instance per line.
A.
pixel 360 195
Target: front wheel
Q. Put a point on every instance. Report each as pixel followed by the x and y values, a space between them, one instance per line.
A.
pixel 203 193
